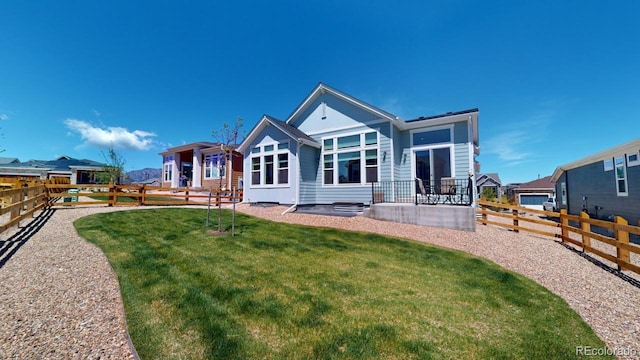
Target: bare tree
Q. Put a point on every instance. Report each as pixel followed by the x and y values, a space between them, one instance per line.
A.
pixel 113 168
pixel 227 136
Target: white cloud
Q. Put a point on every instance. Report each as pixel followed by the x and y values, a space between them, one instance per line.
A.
pixel 4 117
pixel 522 141
pixel 118 137
pixel 510 147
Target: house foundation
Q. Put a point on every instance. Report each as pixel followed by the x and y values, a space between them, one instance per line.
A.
pixel 442 216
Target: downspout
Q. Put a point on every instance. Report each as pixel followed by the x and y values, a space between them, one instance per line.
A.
pixel 295 200
pixel 472 167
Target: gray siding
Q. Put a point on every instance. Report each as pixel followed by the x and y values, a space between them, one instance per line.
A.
pixel 599 187
pixel 404 156
pixel 385 162
pixel 309 163
pixel 338 114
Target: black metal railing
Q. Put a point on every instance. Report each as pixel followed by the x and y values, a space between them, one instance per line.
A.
pixel 447 191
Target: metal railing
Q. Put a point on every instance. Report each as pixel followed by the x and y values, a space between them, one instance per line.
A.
pixel 450 191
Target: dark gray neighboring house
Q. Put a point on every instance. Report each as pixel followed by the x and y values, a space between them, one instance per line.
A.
pixel 79 171
pixel 490 181
pixel 603 184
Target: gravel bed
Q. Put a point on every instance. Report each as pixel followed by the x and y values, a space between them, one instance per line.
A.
pixel 59 297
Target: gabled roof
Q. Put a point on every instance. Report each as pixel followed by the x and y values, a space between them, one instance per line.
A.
pixel 488 177
pixel 629 147
pixel 292 132
pixel 321 89
pixel 190 146
pixel 8 160
pixel 538 184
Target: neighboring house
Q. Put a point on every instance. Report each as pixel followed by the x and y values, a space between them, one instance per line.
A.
pixel 604 184
pixel 333 146
pixel 489 181
pixel 8 160
pixel 533 193
pixel 78 171
pixel 201 165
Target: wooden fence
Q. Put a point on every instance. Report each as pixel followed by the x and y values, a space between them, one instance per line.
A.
pixel 136 195
pixel 21 198
pixel 611 242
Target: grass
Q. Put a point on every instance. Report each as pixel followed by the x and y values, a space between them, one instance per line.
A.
pixel 281 291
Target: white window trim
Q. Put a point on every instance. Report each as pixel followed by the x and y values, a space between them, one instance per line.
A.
pixel 433 128
pixel 167 168
pixel 633 162
pixel 212 167
pixel 608 164
pixel 452 153
pixel 625 177
pixel 275 152
pixel 362 149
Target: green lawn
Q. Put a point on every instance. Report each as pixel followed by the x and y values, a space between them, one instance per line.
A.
pixel 281 291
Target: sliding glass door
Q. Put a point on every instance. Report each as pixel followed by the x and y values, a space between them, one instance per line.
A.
pixel 431 165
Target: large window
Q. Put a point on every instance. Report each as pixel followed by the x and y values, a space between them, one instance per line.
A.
pixel 432 137
pixel 270 164
pixel 214 166
pixel 353 159
pixel 255 171
pixel 168 168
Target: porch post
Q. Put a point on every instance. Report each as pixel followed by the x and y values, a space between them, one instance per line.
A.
pixel 196 176
pixel 175 180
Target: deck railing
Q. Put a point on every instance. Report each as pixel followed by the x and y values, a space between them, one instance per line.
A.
pixel 450 191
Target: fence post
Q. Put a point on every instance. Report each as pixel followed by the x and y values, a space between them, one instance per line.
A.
pixel 586 227
pixel 516 222
pixel 112 194
pixel 13 199
pixel 564 224
pixel 622 237
pixel 186 194
pixel 143 194
pixel 484 213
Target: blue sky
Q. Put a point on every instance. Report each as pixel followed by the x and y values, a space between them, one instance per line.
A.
pixel 554 80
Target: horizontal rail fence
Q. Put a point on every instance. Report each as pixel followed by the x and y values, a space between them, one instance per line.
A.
pixel 612 244
pixel 136 195
pixel 18 200
pixel 452 191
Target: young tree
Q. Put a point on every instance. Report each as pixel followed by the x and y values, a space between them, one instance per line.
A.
pixel 227 136
pixel 113 168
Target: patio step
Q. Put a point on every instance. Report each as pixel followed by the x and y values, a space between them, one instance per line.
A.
pixel 348 208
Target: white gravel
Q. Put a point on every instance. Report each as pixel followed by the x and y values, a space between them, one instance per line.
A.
pixel 59 297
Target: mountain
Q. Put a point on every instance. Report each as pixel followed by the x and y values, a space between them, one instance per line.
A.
pixel 144 174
